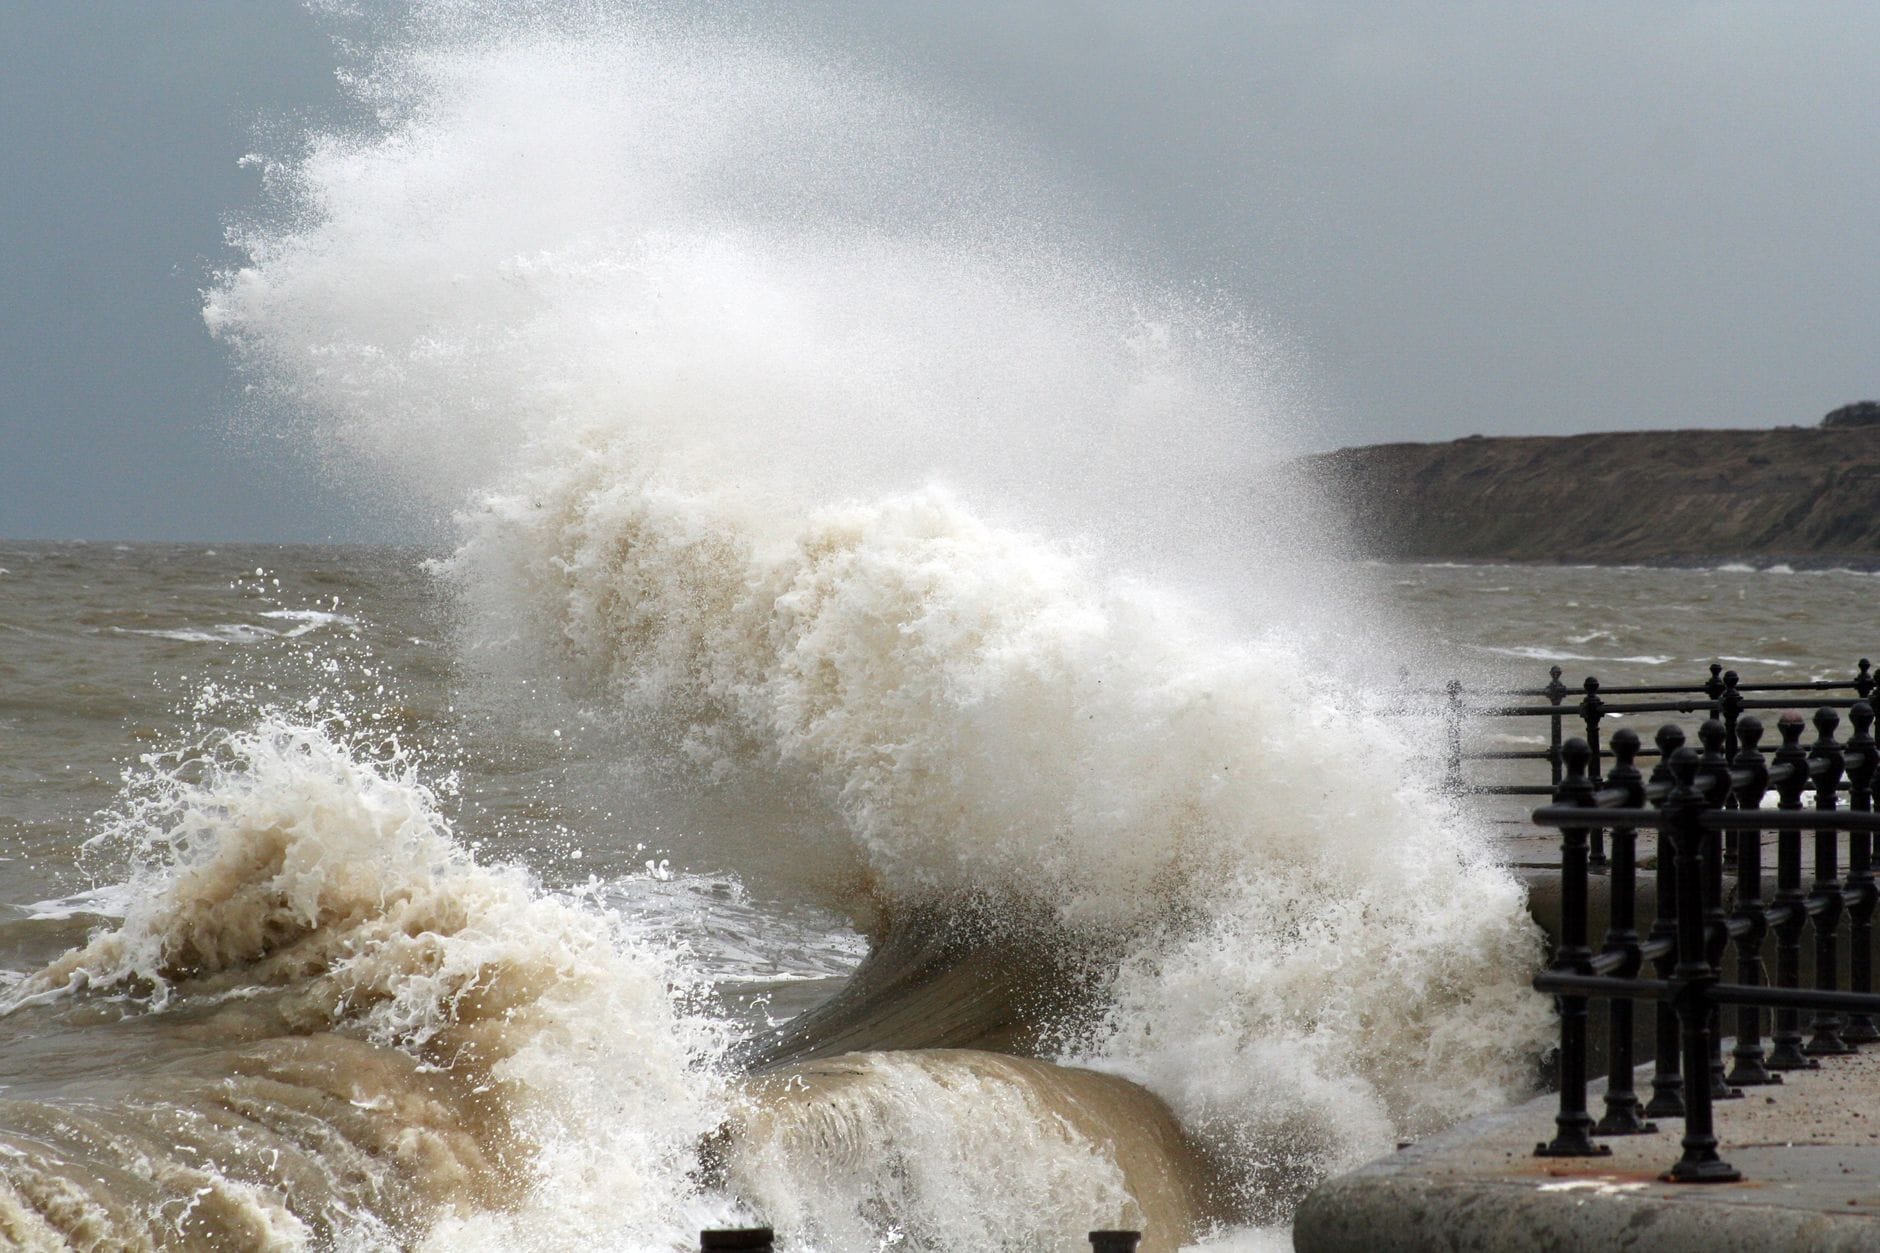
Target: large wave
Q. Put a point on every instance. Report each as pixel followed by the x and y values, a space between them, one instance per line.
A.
pixel 343 1030
pixel 1309 964
pixel 785 431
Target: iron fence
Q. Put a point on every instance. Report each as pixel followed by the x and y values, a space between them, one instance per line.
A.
pixel 1690 802
pixel 1723 696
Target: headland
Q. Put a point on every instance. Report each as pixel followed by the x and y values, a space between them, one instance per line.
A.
pixel 1805 496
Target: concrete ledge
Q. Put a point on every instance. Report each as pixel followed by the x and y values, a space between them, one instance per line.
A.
pixel 1809 1150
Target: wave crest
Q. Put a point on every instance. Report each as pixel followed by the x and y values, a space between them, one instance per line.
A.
pixel 451 1028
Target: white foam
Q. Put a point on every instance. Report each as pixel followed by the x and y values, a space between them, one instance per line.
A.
pixel 222 633
pixel 729 939
pixel 305 621
pixel 988 715
pixel 280 861
pixel 109 900
pixel 786 437
pixel 939 1156
pixel 1533 652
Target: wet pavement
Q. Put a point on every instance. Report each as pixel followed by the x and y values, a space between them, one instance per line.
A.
pixel 1808 1149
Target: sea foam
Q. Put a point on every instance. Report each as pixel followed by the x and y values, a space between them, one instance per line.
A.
pixel 312 909
pixel 784 431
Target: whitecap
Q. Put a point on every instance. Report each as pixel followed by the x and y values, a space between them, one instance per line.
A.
pixel 108 901
pixel 308 620
pixel 305 621
pixel 1534 653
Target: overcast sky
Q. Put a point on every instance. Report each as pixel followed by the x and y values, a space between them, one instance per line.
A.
pixel 1499 218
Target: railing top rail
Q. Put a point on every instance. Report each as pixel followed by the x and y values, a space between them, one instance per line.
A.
pixel 1659 689
pixel 1649 707
pixel 1710 819
pixel 1562 696
pixel 1582 802
pixel 1693 706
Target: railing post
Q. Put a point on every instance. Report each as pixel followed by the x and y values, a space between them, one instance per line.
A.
pixel 736 1240
pixel 1452 729
pixel 1573 956
pixel 1114 1241
pixel 1864 680
pixel 1713 783
pixel 1623 1116
pixel 1556 691
pixel 1714 688
pixel 1785 1051
pixel 1748 1069
pixel 1592 709
pixel 1667 1079
pixel 1692 979
pixel 1824 902
pixel 1863 762
pixel 1730 706
pixel 1730 709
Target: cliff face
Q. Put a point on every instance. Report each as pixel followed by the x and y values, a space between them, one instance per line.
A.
pixel 1810 497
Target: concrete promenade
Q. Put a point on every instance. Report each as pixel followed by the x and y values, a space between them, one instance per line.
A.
pixel 1809 1150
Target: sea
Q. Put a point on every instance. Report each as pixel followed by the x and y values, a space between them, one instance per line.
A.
pixel 316 935
pixel 862 731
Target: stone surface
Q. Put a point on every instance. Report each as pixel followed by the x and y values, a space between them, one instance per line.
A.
pixel 1809 1150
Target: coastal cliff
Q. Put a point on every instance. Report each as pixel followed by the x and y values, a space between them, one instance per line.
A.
pixel 1806 496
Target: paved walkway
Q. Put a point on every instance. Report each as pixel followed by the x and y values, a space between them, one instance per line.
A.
pixel 1809 1151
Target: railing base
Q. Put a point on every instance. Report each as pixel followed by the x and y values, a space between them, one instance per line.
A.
pixel 1566 1146
pixel 1860 1029
pixel 1712 1171
pixel 1757 1076
pixel 1666 1102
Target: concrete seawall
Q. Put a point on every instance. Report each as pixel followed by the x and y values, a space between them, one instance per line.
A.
pixel 1809 1150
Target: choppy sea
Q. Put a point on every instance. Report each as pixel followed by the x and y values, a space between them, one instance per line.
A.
pixel 324 929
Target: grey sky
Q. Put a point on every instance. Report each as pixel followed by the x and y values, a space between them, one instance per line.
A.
pixel 120 127
pixel 1505 218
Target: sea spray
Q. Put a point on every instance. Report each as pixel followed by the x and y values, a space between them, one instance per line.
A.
pixel 407 1033
pixel 1310 1018
pixel 1318 965
pixel 806 282
pixel 876 1149
pixel 786 441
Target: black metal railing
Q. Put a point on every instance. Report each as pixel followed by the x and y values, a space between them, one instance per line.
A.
pixel 1690 802
pixel 1723 696
pixel 760 1240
